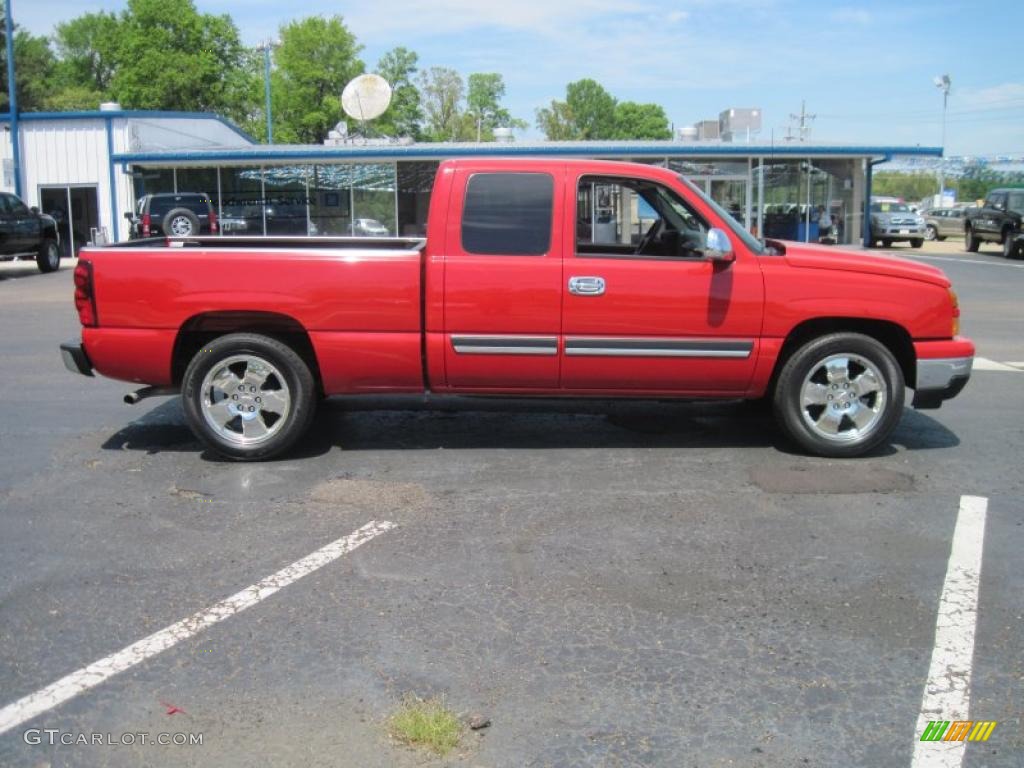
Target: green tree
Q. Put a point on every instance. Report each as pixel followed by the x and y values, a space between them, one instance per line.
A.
pixel 33 71
pixel 404 115
pixel 640 121
pixel 86 52
pixel 316 58
pixel 483 102
pixel 592 108
pixel 556 122
pixel 442 90
pixel 588 112
pixel 169 56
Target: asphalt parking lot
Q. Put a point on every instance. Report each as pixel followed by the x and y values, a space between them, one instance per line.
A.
pixel 610 584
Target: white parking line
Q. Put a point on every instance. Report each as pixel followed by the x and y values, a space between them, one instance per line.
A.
pixel 984 364
pixel 89 677
pixel 947 692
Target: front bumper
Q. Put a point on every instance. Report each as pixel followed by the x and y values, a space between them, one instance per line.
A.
pixel 898 232
pixel 75 359
pixel 939 379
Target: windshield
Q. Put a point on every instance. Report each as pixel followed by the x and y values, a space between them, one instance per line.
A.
pixel 890 208
pixel 738 229
pixel 1015 202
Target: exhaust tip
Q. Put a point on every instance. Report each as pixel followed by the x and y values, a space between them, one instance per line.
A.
pixel 132 398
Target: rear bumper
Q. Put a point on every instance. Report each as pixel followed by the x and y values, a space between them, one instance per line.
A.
pixel 941 378
pixel 75 359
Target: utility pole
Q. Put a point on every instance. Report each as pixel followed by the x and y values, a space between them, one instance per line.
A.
pixel 943 83
pixel 804 119
pixel 12 100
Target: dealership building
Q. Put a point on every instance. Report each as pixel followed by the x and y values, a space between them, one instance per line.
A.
pixel 89 168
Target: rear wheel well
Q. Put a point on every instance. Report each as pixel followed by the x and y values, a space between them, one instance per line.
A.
pixel 893 336
pixel 198 331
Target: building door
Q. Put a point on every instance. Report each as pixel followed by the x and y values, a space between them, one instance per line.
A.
pixel 76 209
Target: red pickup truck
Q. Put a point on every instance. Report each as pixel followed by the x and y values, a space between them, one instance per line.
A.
pixel 565 278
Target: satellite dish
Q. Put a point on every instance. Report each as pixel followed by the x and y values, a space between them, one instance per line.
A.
pixel 366 97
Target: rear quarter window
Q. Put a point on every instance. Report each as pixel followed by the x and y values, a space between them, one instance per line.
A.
pixel 508 214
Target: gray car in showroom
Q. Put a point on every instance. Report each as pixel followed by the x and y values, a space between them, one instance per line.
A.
pixel 893 223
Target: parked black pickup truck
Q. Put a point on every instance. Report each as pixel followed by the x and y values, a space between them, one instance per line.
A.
pixel 27 233
pixel 997 221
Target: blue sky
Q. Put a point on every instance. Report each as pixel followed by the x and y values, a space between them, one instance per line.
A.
pixel 865 69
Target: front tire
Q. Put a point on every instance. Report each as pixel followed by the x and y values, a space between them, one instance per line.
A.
pixel 248 396
pixel 931 233
pixel 840 395
pixel 916 243
pixel 48 257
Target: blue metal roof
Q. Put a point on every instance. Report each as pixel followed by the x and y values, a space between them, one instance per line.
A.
pixel 135 113
pixel 277 153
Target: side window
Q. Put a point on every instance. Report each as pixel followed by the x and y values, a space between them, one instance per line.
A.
pixel 508 214
pixel 159 206
pixel 5 207
pixel 635 217
pixel 17 207
pixel 997 201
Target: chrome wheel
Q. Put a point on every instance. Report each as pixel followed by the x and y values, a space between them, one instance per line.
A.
pixel 181 226
pixel 843 398
pixel 931 233
pixel 245 400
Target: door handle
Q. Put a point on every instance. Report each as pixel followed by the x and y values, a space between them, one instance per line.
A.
pixel 586 286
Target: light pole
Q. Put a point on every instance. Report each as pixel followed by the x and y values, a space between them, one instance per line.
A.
pixel 942 82
pixel 267 46
pixel 480 115
pixel 12 100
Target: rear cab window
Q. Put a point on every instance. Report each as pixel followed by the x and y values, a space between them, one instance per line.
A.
pixel 508 214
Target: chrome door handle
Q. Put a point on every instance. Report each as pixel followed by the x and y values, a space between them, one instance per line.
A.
pixel 586 286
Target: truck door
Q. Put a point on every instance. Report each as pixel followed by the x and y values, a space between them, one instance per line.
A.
pixel 8 234
pixel 643 310
pixel 502 280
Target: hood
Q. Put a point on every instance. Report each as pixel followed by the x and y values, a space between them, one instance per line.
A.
pixel 808 256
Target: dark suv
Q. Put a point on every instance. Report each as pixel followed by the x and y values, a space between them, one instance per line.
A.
pixel 173 214
pixel 997 221
pixel 27 233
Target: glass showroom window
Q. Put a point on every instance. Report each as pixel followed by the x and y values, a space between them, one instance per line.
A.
pixel 287 209
pixel 330 199
pixel 241 192
pixel 373 200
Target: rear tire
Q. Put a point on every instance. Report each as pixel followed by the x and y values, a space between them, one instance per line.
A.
pixel 971 242
pixel 1010 248
pixel 248 396
pixel 840 395
pixel 180 222
pixel 48 257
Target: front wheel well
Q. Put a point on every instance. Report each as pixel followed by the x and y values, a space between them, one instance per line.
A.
pixel 892 335
pixel 199 330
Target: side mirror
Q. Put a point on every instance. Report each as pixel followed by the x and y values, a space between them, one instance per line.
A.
pixel 35 209
pixel 718 247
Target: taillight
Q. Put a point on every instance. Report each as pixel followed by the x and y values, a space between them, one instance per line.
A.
pixel 956 312
pixel 213 223
pixel 85 299
pixel 145 225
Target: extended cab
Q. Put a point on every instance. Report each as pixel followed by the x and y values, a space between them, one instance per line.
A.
pixel 997 221
pixel 537 278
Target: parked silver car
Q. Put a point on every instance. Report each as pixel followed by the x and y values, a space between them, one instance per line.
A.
pixel 892 222
pixel 945 222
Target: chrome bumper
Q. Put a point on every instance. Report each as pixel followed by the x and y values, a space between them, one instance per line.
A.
pixel 75 359
pixel 940 379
